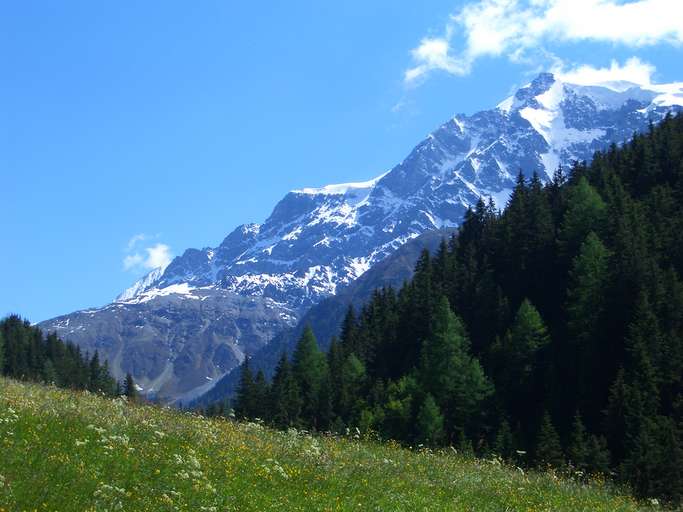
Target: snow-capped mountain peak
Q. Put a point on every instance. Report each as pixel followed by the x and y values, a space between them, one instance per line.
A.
pixel 264 276
pixel 319 238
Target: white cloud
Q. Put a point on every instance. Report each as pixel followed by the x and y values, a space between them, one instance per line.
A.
pixel 158 255
pixel 515 28
pixel 132 260
pixel 633 71
pixel 134 240
pixel 149 258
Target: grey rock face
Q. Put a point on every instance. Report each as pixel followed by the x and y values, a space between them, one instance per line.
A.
pixel 318 240
pixel 179 344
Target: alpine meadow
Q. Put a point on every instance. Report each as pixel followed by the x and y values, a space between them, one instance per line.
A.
pixel 382 256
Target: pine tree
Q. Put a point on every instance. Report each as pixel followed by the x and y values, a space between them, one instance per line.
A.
pixel 349 331
pixel 353 376
pixel 598 455
pixel 260 396
pixel 586 302
pixel 548 448
pixel 579 448
pixel 309 367
pixel 398 408
pixel 448 373
pixel 244 401
pixel 505 442
pixel 517 362
pixel 130 389
pixel 585 213
pixel 429 423
pixel 285 396
pixel 95 375
pixel 49 373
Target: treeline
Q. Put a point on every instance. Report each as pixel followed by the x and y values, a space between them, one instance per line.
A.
pixel 551 333
pixel 28 354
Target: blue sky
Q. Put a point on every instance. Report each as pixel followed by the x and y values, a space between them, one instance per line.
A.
pixel 178 121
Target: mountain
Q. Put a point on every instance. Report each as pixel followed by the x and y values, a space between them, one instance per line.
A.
pixel 319 239
pixel 325 318
pixel 177 342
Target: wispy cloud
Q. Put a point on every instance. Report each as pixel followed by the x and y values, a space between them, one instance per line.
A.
pixel 145 258
pixel 134 240
pixel 516 29
pixel 634 71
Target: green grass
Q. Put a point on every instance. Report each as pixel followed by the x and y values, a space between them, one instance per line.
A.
pixel 64 451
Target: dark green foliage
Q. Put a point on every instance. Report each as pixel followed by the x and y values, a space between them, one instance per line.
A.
pixel 130 389
pixel 578 451
pixel 245 402
pixel 26 353
pixel 569 300
pixel 504 444
pixel 285 401
pixel 309 366
pixel 429 423
pixel 548 450
pixel 449 374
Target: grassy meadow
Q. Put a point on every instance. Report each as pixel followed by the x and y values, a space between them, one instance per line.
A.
pixel 65 451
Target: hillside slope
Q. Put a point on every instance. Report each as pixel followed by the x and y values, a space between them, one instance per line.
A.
pixel 70 451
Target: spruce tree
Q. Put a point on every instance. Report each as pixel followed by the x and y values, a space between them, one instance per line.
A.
pixel 309 367
pixel 504 444
pixel 49 373
pixel 548 450
pixel 586 302
pixel 448 373
pixel 130 389
pixel 579 448
pixel 285 396
pixel 585 213
pixel 350 386
pixel 598 455
pixel 516 361
pixel 429 423
pixel 244 401
pixel 260 397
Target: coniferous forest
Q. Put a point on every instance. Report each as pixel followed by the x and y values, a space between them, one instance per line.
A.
pixel 550 333
pixel 28 354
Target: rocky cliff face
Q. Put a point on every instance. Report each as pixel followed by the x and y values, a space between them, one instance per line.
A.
pixel 317 240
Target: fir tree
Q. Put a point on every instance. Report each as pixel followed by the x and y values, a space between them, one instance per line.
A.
pixel 285 396
pixel 505 443
pixel 244 403
pixel 429 422
pixel 586 212
pixel 586 302
pixel 579 448
pixel 517 362
pixel 598 455
pixel 548 450
pixel 130 389
pixel 260 397
pixel 453 378
pixel 49 373
pixel 310 368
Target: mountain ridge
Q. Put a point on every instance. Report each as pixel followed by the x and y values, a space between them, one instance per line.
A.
pixel 317 240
